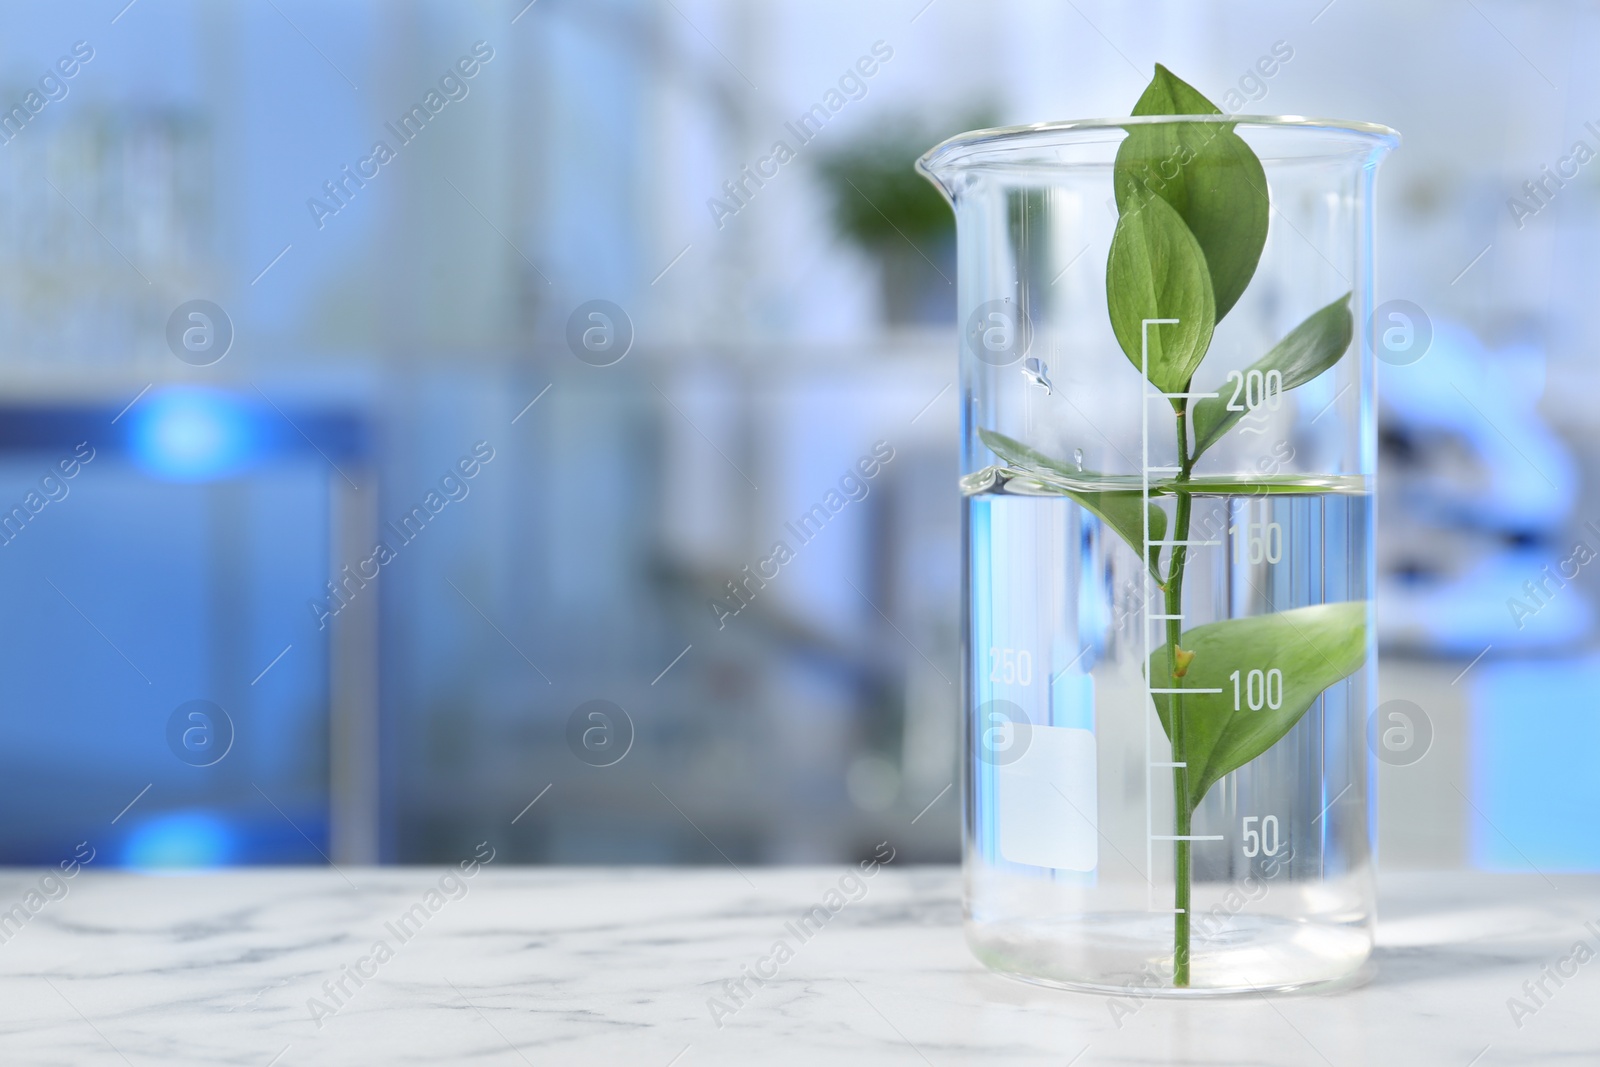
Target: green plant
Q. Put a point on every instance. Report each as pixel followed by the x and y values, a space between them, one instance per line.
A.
pixel 877 198
pixel 880 204
pixel 1193 214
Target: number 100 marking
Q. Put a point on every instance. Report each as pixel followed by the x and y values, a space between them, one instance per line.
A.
pixel 1262 689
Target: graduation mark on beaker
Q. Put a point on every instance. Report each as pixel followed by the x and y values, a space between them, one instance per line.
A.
pixel 1264 841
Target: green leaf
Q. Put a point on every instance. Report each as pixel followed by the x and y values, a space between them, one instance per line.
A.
pixel 1168 94
pixel 1265 485
pixel 1117 508
pixel 1309 349
pixel 1020 455
pixel 1156 271
pixel 1312 648
pixel 1206 173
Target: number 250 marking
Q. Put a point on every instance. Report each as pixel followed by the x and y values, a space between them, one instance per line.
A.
pixel 1011 666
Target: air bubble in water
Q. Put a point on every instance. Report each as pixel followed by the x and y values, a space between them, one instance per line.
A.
pixel 1077 457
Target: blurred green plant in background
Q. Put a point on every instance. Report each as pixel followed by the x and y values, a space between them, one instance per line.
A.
pixel 881 204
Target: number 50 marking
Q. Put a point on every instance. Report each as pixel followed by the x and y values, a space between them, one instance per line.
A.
pixel 1263 842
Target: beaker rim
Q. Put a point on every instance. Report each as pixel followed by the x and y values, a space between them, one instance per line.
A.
pixel 968 147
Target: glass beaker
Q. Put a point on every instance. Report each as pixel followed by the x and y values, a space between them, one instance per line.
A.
pixel 1167 465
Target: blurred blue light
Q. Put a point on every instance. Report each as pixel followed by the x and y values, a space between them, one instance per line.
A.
pixel 1532 721
pixel 193 435
pixel 181 839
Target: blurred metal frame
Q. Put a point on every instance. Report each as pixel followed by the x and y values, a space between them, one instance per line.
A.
pixel 354 735
pixel 338 437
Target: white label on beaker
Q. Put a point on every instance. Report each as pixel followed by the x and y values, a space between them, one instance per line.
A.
pixel 1047 810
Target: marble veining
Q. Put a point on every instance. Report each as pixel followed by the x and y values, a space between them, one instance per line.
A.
pixel 628 966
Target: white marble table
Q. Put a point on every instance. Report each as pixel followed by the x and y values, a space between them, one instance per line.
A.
pixel 595 966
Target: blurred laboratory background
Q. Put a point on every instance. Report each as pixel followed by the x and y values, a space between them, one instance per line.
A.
pixel 401 401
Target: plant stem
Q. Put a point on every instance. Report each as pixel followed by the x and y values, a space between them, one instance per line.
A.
pixel 1182 860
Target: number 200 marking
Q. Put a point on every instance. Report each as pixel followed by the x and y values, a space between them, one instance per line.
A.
pixel 1258 389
